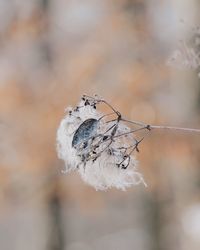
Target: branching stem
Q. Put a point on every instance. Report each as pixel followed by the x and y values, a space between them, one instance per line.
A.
pixel 140 124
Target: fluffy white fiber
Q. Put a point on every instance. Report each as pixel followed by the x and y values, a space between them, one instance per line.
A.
pixel 100 169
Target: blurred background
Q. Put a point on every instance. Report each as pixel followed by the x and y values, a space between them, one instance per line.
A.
pixel 52 52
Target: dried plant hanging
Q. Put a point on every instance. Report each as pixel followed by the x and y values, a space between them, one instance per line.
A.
pixel 101 146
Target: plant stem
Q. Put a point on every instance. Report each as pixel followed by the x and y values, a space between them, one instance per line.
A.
pixel 141 124
pixel 190 130
pixel 151 127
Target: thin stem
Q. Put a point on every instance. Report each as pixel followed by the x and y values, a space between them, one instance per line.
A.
pixel 130 132
pixel 150 127
pixel 134 122
pixel 141 124
pixel 190 130
pixel 106 115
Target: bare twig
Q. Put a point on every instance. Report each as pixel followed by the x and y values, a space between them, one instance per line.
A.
pixel 144 125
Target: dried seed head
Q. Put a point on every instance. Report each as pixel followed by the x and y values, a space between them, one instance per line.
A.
pixel 96 147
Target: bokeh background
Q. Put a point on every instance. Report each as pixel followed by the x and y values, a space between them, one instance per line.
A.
pixel 53 51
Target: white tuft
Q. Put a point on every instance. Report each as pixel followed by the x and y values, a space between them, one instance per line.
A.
pixel 100 170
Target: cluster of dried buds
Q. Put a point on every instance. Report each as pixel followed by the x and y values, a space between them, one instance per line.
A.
pixel 99 146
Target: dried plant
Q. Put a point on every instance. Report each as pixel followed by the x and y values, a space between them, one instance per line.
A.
pixel 101 146
pixel 187 56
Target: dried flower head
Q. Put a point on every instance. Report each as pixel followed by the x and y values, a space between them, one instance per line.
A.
pixel 99 146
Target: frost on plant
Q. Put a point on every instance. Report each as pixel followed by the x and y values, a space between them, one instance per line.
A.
pixel 98 146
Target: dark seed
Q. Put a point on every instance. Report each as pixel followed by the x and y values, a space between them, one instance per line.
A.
pixel 124 167
pixel 114 130
pixel 105 137
pixel 85 131
pixel 94 159
pixel 76 109
pixel 87 103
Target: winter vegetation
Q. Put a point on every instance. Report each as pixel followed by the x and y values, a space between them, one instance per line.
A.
pixel 101 148
pixel 54 51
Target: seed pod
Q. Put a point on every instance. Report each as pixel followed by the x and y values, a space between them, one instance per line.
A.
pixel 85 131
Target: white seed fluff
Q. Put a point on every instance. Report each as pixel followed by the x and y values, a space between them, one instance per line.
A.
pixel 97 159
